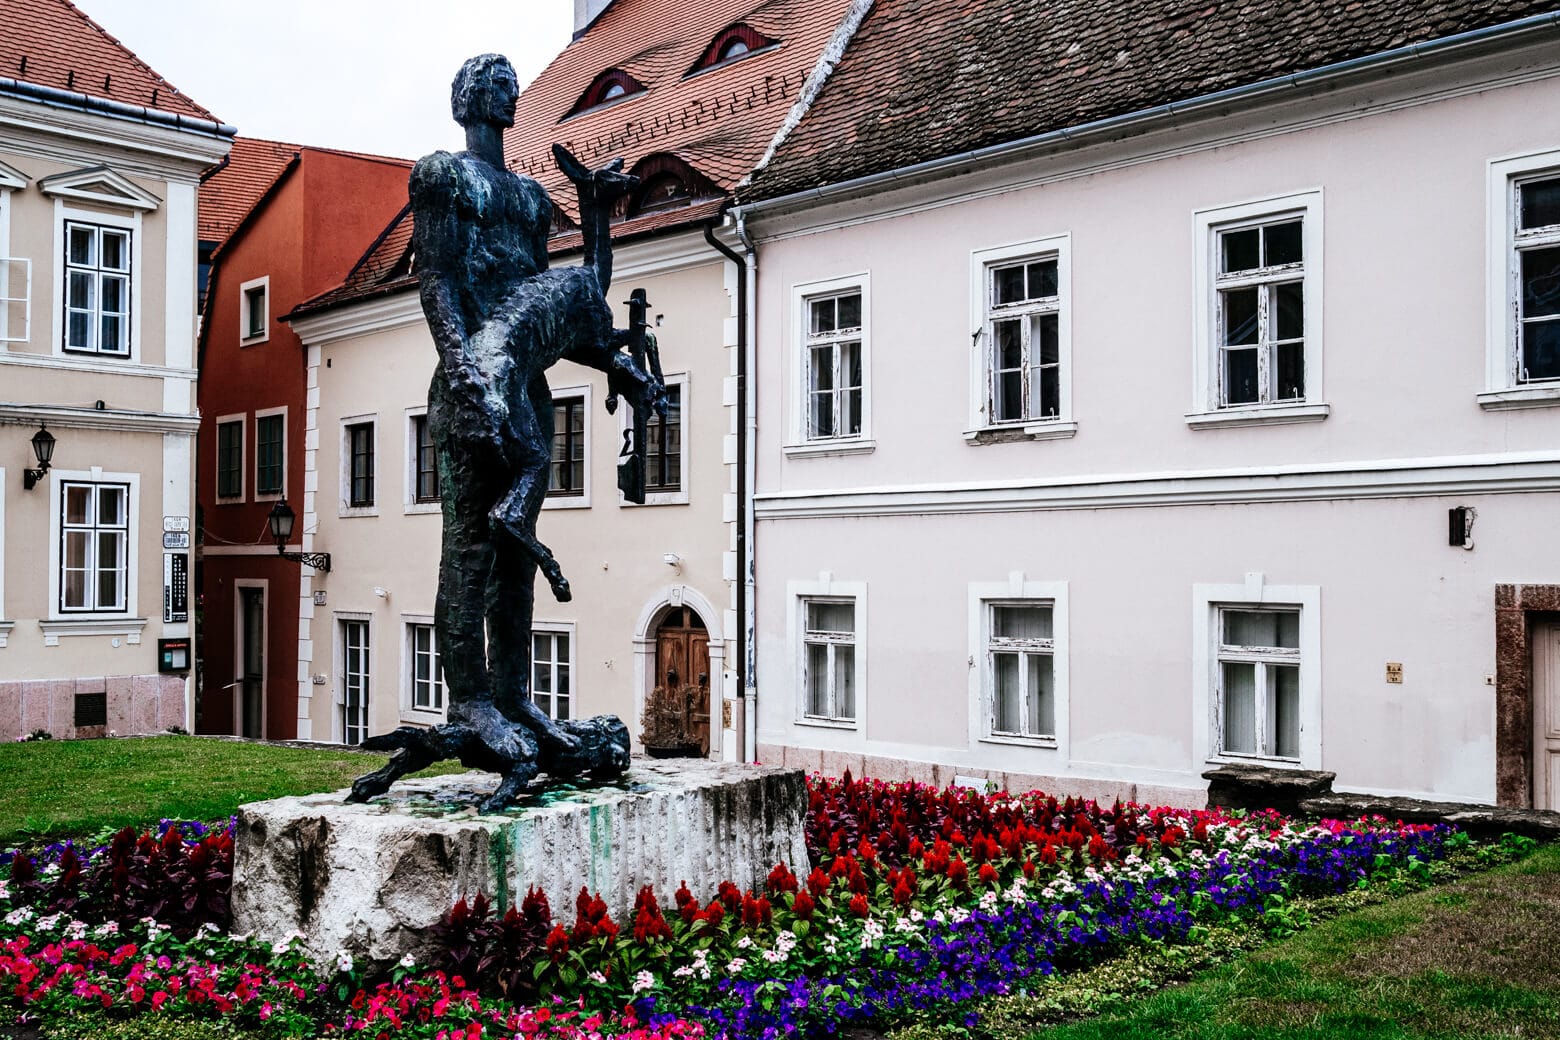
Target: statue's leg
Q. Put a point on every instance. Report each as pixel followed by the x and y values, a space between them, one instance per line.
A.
pixel 516 512
pixel 412 755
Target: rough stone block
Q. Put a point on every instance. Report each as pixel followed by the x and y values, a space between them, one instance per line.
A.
pixel 62 708
pixel 370 878
pixel 143 703
pixel 1259 787
pixel 35 704
pixel 119 712
pixel 835 763
pixel 170 701
pixel 10 710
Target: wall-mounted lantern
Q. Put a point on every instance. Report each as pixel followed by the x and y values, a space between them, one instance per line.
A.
pixel 43 448
pixel 281 521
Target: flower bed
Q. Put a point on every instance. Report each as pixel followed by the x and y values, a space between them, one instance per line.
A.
pixel 916 902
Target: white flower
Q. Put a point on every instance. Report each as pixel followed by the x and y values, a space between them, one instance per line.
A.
pixel 597 977
pixel 48 924
pixel 107 928
pixel 19 916
pixel 408 961
pixel 643 981
pixel 281 946
pixel 685 972
pixel 736 965
pixel 343 961
pixel 5 891
pixel 744 943
pixel 916 915
pixel 76 929
pixel 51 869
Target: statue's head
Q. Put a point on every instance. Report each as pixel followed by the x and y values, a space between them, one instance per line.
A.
pixel 485 91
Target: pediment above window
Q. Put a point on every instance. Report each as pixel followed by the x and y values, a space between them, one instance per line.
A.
pixel 11 177
pixel 100 186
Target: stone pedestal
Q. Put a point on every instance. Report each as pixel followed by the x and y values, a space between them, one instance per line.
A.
pixel 371 878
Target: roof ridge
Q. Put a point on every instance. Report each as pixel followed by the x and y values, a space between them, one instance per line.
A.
pixel 133 56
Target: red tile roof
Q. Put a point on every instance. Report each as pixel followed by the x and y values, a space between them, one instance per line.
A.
pixel 52 44
pixel 927 79
pixel 230 189
pixel 719 121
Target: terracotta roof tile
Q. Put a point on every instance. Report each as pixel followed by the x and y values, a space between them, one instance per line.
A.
pixel 230 189
pixel 720 121
pixel 926 79
pixel 53 44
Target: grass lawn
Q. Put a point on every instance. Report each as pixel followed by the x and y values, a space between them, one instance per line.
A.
pixel 1476 958
pixel 54 789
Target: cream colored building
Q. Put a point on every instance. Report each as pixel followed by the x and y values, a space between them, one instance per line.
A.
pixel 97 340
pixel 645 577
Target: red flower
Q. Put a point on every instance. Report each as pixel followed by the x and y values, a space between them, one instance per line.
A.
pixel 958 873
pixel 858 905
pixel 802 906
pixel 781 880
pixel 987 874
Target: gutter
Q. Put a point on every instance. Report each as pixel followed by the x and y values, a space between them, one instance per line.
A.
pixel 746 272
pixel 1381 62
pixel 75 101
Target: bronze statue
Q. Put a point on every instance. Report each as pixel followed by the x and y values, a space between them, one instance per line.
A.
pixel 500 317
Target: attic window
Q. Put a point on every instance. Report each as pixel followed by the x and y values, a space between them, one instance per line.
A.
pixel 732 44
pixel 661 192
pixel 667 182
pixel 612 85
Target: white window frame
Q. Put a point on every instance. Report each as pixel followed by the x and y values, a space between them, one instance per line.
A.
pixel 409 502
pixel 801 445
pixel 1206 411
pixel 241 420
pixel 983 262
pixel 581 500
pixel 1207 636
pixel 264 585
pixel 245 339
pixel 556 628
pixel 131 222
pixel 339 694
pixel 344 466
pixel 99 225
pixel 1017 591
pixel 798 595
pixel 626 422
pixel 1503 345
pixel 13 270
pixel 119 618
pixel 5 626
pixel 410 710
pixel 262 414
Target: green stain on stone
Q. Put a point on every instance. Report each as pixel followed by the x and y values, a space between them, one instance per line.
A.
pixel 600 843
pixel 498 857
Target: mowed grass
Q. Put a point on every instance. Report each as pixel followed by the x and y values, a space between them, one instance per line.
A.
pixel 55 789
pixel 1474 959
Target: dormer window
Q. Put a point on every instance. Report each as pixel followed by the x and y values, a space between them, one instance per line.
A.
pixel 612 85
pixel 732 43
pixel 667 182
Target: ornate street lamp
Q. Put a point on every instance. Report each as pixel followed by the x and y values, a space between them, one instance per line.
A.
pixel 43 448
pixel 281 520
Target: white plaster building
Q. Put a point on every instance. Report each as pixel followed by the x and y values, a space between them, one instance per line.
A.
pixel 1117 394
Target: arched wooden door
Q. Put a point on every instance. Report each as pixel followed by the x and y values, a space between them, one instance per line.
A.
pixel 682 658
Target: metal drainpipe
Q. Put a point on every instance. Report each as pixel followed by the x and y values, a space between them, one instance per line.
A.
pixel 744 444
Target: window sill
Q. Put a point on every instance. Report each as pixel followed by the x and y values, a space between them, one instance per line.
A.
pixel 658 498
pixel 1228 758
pixel 820 723
pixel 231 500
pixel 824 449
pixel 1054 430
pixel 5 632
pixel 1048 743
pixel 1519 397
pixel 1265 415
pixel 128 627
pixel 249 341
pixel 422 507
pixel 422 716
pixel 350 511
pixel 566 502
pixel 270 496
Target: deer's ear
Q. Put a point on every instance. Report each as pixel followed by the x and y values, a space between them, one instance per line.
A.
pixel 572 168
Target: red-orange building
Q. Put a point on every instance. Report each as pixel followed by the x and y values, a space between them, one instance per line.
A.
pixel 289 222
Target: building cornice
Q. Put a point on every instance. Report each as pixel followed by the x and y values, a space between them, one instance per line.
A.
pixel 350 320
pixel 126 369
pixel 1505 473
pixel 71 136
pixel 66 417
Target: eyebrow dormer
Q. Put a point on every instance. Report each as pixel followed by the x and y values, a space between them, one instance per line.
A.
pixel 610 86
pixel 732 43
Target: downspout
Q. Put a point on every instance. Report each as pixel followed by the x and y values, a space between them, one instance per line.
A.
pixel 746 269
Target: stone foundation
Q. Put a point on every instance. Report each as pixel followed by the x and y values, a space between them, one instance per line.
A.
pixel 371 878
pixel 137 704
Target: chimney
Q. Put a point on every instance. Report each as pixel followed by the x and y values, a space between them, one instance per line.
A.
pixel 586 12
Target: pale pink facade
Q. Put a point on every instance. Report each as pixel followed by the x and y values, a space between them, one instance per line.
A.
pixel 1144 507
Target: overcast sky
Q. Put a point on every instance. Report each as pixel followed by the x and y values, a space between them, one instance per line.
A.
pixel 365 75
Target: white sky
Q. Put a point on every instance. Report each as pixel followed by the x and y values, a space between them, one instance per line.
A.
pixel 364 75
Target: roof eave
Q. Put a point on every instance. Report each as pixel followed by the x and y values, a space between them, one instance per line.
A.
pixel 76 101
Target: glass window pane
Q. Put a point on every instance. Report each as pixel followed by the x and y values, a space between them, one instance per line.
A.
pixel 111 340
pixel 83 246
pixel 1262 628
pixel 844 682
pixel 79 330
pixel 848 311
pixel 822 367
pixel 1240 250
pixel 831 617
pixel 1021 622
pixel 850 363
pixel 78 503
pixel 1540 350
pixel 1007 703
pixel 115 295
pixel 1007 285
pixel 116 251
pixel 75 591
pixel 1240 707
pixel 1284 702
pixel 111 506
pixel 76 544
pixel 1290 298
pixel 1283 243
pixel 1540 282
pixel 822 316
pixel 1010 396
pixel 817 679
pixel 1042 695
pixel 1009 346
pixel 1540 204
pixel 821 414
pixel 83 288
pixel 1240 316
pixel 852 412
pixel 1291 372
pixel 1042 279
pixel 1045 340
pixel 1240 376
pixel 561 708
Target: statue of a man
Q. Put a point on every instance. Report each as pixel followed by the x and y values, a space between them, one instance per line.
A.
pixel 500 317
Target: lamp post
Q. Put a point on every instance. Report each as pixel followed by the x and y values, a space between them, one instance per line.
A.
pixel 281 520
pixel 43 448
